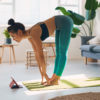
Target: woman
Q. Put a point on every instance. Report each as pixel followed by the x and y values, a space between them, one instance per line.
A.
pixel 36 34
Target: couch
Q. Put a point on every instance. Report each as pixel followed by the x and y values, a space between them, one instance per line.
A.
pixel 89 50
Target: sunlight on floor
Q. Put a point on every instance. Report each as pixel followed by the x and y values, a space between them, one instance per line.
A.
pixel 75 76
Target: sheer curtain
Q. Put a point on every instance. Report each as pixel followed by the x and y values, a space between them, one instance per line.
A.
pixel 83 7
pixel 32 11
pixel 5 10
pixel 47 9
pixel 27 11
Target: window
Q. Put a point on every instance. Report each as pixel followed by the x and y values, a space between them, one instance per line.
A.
pixel 33 11
pixel 26 11
pixel 6 10
pixel 73 5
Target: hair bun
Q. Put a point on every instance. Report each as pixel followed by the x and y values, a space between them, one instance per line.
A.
pixel 11 22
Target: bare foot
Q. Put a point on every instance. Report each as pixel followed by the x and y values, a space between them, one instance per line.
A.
pixel 46 82
pixel 53 77
pixel 42 83
pixel 53 82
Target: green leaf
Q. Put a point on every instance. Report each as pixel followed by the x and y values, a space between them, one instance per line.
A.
pixel 77 19
pixel 76 30
pixel 90 14
pixel 91 4
pixel 63 10
pixel 73 35
pixel 6 33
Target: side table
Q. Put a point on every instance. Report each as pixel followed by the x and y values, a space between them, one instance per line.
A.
pixel 11 47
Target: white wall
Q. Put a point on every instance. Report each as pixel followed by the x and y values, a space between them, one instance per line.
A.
pixel 97 23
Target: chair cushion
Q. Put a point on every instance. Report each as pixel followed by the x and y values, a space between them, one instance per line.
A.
pixel 87 47
pixel 96 49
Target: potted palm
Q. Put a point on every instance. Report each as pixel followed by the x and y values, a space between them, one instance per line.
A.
pixel 8 38
pixel 91 6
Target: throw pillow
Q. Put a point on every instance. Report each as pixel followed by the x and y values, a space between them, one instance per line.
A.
pixel 95 40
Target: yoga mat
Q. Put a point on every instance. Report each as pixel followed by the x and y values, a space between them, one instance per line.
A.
pixel 64 84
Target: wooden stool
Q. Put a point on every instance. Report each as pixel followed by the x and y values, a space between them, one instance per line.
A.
pixel 31 60
pixel 52 45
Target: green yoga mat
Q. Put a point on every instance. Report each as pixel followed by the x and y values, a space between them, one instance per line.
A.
pixel 64 84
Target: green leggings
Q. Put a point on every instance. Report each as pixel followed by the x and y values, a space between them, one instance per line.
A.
pixel 64 26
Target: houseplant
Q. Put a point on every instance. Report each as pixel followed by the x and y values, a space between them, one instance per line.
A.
pixel 90 6
pixel 8 38
pixel 85 22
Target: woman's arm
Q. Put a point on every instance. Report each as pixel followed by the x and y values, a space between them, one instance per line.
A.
pixel 34 48
pixel 37 45
pixel 39 52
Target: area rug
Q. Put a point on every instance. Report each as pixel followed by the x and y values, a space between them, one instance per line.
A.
pixel 64 84
pixel 81 96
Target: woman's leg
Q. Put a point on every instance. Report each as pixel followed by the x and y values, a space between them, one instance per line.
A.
pixel 65 36
pixel 57 53
pixel 65 25
pixel 57 50
pixel 60 62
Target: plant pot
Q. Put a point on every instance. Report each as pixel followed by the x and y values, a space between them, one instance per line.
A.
pixel 8 41
pixel 85 39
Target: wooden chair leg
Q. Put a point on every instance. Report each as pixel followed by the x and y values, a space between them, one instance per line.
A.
pixel 53 51
pixel 10 55
pixel 13 54
pixel 2 53
pixel 86 60
pixel 27 60
pixel 0 60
